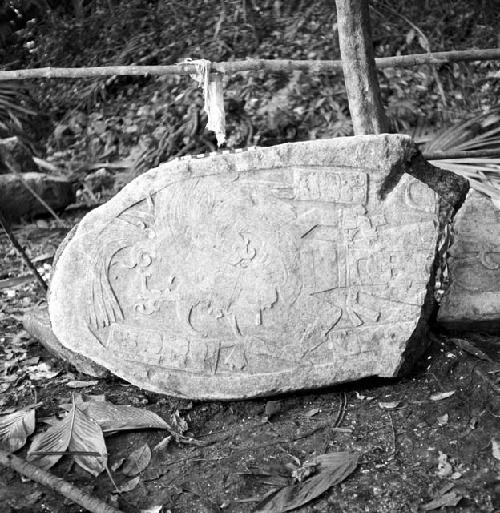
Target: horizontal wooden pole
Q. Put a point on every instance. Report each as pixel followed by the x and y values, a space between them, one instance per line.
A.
pixel 312 66
pixel 452 155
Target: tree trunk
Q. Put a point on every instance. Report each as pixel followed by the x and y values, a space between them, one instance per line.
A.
pixel 360 74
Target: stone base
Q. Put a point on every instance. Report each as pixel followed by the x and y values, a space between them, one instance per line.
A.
pixel 472 301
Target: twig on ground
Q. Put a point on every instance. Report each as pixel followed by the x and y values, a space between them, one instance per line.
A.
pixel 490 382
pixel 342 410
pixel 393 451
pixel 8 283
pixel 10 234
pixel 83 499
pixel 340 417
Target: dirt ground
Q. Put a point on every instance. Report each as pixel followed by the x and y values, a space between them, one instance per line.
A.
pixel 416 443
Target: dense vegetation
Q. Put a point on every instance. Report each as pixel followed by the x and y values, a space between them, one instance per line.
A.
pixel 149 120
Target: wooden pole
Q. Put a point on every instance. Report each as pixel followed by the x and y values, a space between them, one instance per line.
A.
pixel 360 74
pixel 312 66
pixel 80 497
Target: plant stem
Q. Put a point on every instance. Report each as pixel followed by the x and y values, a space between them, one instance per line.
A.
pixel 10 234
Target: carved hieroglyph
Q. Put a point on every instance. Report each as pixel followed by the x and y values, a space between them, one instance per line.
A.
pixel 473 297
pixel 253 273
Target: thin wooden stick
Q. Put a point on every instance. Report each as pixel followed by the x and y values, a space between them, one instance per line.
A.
pixel 42 202
pixel 10 234
pixel 312 66
pixel 490 382
pixel 92 504
pixel 441 155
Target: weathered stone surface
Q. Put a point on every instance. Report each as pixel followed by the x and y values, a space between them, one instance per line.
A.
pixel 17 201
pixel 472 300
pixel 37 324
pixel 255 273
pixel 15 157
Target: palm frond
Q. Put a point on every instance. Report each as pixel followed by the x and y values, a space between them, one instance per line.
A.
pixel 481 132
pixel 15 112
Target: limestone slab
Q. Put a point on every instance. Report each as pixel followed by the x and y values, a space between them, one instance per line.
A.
pixel 255 273
pixel 472 300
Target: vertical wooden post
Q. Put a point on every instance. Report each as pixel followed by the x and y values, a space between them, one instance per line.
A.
pixel 360 75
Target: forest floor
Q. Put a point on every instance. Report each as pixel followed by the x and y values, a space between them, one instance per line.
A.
pixel 426 441
pixel 431 436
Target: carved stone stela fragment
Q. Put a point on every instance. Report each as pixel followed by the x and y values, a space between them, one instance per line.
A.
pixel 252 273
pixel 472 300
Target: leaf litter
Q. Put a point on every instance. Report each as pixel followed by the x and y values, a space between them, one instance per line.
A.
pixel 129 485
pixel 441 395
pixel 448 499
pixel 81 434
pixel 16 427
pixel 307 482
pixel 389 405
pixel 81 384
pixel 137 461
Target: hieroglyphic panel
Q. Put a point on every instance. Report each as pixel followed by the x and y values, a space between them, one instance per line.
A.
pixel 473 297
pixel 282 269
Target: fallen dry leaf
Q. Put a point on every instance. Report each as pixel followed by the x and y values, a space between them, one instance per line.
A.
pixel 443 420
pixel 137 461
pixel 120 417
pixel 16 427
pixel 117 464
pixel 448 499
pixel 312 412
pixel 162 444
pixel 152 509
pixel 469 347
pixel 495 449
pixel 331 469
pixel 81 384
pixel 273 474
pixel 76 433
pixel 364 397
pixel 129 485
pixel 272 408
pixel 178 423
pixel 41 371
pixel 98 398
pixel 391 405
pixel 444 467
pixel 441 395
